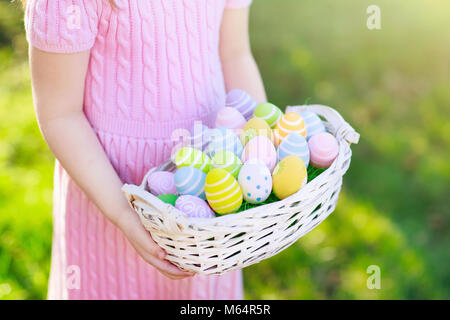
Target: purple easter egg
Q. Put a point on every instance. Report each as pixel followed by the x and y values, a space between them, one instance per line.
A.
pixel 241 101
pixel 194 207
pixel 162 182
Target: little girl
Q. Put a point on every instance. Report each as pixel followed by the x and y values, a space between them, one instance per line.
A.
pixel 112 79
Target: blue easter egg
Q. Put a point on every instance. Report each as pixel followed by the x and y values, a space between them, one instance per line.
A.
pixel 222 138
pixel 190 181
pixel 313 123
pixel 294 145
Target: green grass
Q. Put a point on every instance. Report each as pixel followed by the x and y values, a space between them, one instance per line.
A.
pixel 392 85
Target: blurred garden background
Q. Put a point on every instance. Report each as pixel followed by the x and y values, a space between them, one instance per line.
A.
pixel 392 85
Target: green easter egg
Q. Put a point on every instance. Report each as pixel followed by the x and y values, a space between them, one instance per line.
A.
pixel 227 160
pixel 191 157
pixel 168 198
pixel 269 113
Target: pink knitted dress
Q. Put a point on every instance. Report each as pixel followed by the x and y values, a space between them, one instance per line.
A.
pixel 154 67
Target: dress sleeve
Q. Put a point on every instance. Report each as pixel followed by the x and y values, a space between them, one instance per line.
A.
pixel 62 26
pixel 234 4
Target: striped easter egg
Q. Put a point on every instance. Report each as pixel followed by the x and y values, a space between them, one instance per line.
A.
pixel 313 123
pixel 230 118
pixel 227 160
pixel 194 207
pixel 191 157
pixel 323 148
pixel 255 127
pixel 223 193
pixel 269 113
pixel 222 138
pixel 199 136
pixel 294 145
pixel 162 182
pixel 189 180
pixel 241 101
pixel 290 122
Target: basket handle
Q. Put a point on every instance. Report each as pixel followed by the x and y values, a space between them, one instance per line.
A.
pixel 342 129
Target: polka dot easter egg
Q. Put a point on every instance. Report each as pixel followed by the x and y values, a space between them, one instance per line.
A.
pixel 261 148
pixel 194 207
pixel 227 160
pixel 294 144
pixel 290 122
pixel 223 193
pixel 191 157
pixel 191 181
pixel 289 176
pixel 223 139
pixel 230 118
pixel 269 113
pixel 255 127
pixel 168 198
pixel 161 182
pixel 241 101
pixel 255 181
pixel 323 148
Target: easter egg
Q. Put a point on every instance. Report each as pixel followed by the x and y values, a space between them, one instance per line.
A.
pixel 241 101
pixel 222 138
pixel 290 122
pixel 199 136
pixel 261 148
pixel 289 176
pixel 223 193
pixel 161 182
pixel 313 123
pixel 230 118
pixel 227 160
pixel 189 180
pixel 255 127
pixel 294 145
pixel 323 149
pixel 269 113
pixel 191 157
pixel 168 198
pixel 255 181
pixel 194 207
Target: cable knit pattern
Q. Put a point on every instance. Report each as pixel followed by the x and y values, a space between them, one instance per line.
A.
pixel 154 67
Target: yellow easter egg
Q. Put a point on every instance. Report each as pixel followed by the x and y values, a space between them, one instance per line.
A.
pixel 289 176
pixel 290 122
pixel 255 127
pixel 223 193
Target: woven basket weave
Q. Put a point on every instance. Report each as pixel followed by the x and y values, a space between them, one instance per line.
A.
pixel 234 241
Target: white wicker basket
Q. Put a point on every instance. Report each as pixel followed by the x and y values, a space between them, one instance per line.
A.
pixel 234 241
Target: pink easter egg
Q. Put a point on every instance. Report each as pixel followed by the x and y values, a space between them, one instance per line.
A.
pixel 194 207
pixel 230 118
pixel 323 148
pixel 162 182
pixel 260 147
pixel 241 101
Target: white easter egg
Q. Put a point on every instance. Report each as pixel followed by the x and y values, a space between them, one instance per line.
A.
pixel 255 181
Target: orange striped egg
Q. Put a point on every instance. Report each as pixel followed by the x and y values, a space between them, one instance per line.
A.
pixel 290 122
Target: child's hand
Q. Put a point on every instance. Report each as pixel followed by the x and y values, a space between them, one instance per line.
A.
pixel 141 240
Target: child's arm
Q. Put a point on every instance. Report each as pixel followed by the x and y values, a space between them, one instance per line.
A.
pixel 239 68
pixel 58 90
